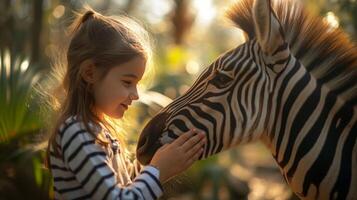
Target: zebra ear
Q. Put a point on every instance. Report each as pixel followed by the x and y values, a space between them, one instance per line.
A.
pixel 268 29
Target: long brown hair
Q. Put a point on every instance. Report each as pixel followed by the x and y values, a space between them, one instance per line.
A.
pixel 107 41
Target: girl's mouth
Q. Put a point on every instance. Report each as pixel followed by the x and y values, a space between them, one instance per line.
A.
pixel 125 106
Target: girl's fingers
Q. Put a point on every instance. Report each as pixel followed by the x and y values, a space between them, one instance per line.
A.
pixel 191 152
pixel 184 137
pixel 195 157
pixel 190 143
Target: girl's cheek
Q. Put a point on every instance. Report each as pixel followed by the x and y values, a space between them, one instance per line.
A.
pixel 121 92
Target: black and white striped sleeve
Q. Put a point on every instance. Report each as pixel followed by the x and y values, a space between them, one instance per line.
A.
pixel 89 163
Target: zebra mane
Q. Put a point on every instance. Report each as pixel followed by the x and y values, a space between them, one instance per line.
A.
pixel 327 53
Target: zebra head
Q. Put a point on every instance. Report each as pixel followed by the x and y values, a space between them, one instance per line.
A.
pixel 226 101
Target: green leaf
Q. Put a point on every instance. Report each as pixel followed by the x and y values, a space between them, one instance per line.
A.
pixel 17 79
pixel 37 170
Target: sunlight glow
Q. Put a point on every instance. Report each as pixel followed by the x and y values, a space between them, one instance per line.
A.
pixel 332 19
pixel 241 172
pixel 7 63
pixel 58 11
pixel 264 189
pixel 158 9
pixel 192 67
pixel 150 97
pixel 206 11
pixel 24 65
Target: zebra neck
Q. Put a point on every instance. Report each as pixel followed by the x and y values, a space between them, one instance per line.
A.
pixel 300 107
pixel 287 86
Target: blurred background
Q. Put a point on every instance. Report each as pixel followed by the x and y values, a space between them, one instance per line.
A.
pixel 188 35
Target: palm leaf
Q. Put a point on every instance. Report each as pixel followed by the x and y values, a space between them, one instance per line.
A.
pixel 17 79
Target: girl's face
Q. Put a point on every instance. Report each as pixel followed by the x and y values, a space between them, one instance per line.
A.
pixel 115 92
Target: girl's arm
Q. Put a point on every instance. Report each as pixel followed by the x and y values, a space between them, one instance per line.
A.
pixel 90 165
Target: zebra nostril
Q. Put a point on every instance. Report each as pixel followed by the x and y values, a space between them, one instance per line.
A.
pixel 142 151
pixel 143 142
pixel 149 138
pixel 143 145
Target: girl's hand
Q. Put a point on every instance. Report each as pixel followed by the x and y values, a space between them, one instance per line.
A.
pixel 172 159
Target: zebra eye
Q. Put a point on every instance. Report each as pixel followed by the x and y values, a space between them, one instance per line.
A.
pixel 221 80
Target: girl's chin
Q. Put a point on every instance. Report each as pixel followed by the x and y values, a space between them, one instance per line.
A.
pixel 117 115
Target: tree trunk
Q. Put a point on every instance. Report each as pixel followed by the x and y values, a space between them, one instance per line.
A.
pixel 36 30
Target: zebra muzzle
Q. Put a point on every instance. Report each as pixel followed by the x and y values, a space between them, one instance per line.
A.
pixel 149 141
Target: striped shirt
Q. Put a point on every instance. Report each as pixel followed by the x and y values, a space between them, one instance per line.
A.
pixel 87 170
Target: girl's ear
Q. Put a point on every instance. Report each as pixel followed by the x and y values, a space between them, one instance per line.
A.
pixel 88 71
pixel 268 29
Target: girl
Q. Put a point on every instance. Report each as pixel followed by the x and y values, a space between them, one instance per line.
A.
pixel 106 59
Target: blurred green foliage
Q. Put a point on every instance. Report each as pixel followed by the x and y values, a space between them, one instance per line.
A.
pixel 20 164
pixel 18 116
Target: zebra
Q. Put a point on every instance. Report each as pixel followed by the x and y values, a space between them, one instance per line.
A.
pixel 292 85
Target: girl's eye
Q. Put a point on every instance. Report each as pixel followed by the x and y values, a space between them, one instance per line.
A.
pixel 127 83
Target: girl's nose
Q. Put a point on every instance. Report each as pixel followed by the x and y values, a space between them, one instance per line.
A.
pixel 134 95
